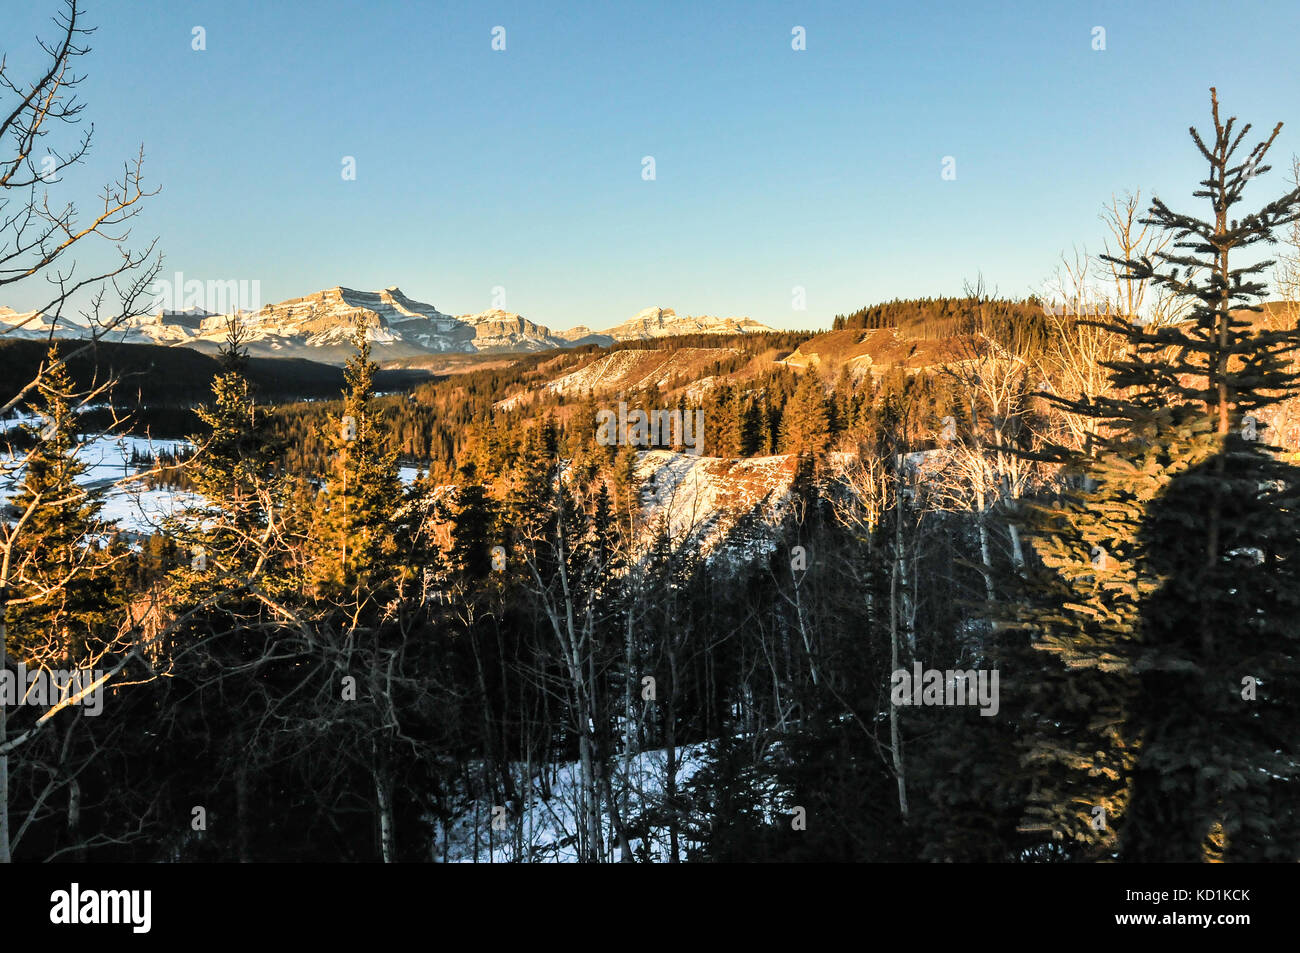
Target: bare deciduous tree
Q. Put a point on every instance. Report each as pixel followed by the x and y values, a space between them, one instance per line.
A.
pixel 37 239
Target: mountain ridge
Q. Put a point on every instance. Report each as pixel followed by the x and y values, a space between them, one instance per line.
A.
pixel 322 325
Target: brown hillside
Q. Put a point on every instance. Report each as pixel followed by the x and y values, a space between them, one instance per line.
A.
pixel 630 370
pixel 871 351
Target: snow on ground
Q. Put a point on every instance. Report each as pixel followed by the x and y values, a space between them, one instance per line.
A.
pixel 546 830
pixel 128 502
pixel 717 503
pixel 137 509
pixel 108 456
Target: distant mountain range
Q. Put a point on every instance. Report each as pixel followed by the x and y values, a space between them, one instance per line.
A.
pixel 321 326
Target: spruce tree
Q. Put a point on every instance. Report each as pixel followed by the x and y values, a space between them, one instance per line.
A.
pixel 1166 572
pixel 236 474
pixel 360 555
pixel 64 590
pixel 750 428
pixel 1218 665
pixel 232 543
pixel 805 422
pixel 472 536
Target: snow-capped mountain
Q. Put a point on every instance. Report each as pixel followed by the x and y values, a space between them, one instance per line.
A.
pixel 664 322
pixel 176 327
pixel 31 326
pixel 321 326
pixel 325 320
pixel 498 330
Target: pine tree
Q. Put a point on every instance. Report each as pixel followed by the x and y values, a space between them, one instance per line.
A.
pixel 724 415
pixel 369 548
pixel 1221 542
pixel 530 498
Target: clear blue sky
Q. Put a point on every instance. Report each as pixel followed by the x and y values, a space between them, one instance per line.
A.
pixel 775 168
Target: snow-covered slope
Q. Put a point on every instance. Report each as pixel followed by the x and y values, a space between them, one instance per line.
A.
pixel 33 326
pixel 727 509
pixel 542 825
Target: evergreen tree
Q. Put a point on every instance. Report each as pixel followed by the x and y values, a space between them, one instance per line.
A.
pixel 359 558
pixel 1151 605
pixel 65 592
pixel 236 474
pixel 751 429
pixel 723 415
pixel 1218 662
pixel 472 527
pixel 805 423
pixel 530 495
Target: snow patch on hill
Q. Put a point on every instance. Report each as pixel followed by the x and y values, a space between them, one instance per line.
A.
pixel 729 509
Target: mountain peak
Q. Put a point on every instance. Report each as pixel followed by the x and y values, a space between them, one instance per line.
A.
pixel 655 314
pixel 664 322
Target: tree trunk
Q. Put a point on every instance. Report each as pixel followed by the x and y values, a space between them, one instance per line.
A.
pixel 242 811
pixel 5 855
pixel 74 818
pixel 384 803
pixel 981 520
pixel 590 805
pixel 1017 548
pixel 895 612
pixel 4 790
pixel 670 744
pixel 629 715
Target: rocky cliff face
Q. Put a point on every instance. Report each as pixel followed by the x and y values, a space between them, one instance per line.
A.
pixel 325 320
pixel 498 330
pixel 665 322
